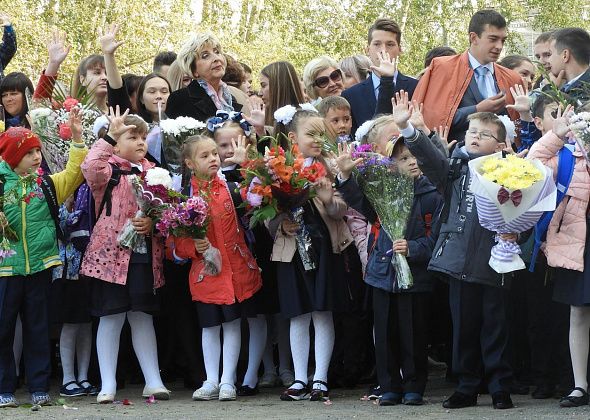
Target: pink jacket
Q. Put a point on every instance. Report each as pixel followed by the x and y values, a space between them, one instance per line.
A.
pixel 566 236
pixel 104 259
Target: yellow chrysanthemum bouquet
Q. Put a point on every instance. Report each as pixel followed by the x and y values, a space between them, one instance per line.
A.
pixel 511 194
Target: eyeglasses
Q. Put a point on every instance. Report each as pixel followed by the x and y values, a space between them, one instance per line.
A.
pixel 483 135
pixel 323 81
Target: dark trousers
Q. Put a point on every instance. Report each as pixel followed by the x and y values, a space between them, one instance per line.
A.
pixel 480 336
pixel 401 340
pixel 29 296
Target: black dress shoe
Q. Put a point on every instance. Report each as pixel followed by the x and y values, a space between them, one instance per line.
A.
pixel 246 391
pixel 501 400
pixel 460 400
pixel 571 401
pixel 543 392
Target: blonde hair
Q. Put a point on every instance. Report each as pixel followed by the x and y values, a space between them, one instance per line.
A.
pixel 311 70
pixel 175 76
pixel 141 127
pixel 187 56
pixel 356 66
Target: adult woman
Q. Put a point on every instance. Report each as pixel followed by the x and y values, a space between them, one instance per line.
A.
pixel 322 78
pixel 279 86
pixel 202 57
pixel 355 69
pixel 177 77
pixel 523 66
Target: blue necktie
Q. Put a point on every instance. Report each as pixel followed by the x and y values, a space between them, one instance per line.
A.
pixel 480 78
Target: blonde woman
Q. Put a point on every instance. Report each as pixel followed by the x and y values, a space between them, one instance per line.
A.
pixel 322 78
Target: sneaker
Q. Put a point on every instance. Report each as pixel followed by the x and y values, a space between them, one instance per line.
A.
pixel 227 392
pixel 75 391
pixel 40 398
pixel 207 392
pixel 287 378
pixel 8 400
pixel 269 380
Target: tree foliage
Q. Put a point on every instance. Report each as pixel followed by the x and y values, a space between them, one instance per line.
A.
pixel 258 32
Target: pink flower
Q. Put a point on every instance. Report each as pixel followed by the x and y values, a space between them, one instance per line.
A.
pixel 254 200
pixel 65 132
pixel 69 103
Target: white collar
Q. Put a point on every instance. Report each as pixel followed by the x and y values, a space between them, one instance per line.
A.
pixel 308 162
pixel 137 165
pixel 228 168
pixel 571 82
pixel 475 64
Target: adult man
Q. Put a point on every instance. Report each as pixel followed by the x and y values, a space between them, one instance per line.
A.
pixel 570 56
pixel 453 88
pixel 162 62
pixel 384 37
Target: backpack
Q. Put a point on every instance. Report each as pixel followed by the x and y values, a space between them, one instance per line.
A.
pixel 81 221
pixel 48 188
pixel 565 170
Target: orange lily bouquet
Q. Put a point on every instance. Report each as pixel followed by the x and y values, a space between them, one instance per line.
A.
pixel 277 181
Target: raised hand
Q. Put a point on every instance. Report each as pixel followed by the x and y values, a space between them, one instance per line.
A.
pixel 522 104
pixel 241 149
pixel 387 65
pixel 344 160
pixel 443 135
pixel 58 50
pixel 257 114
pixel 324 190
pixel 75 123
pixel 561 124
pixel 417 118
pixel 4 20
pixel 117 125
pixel 108 39
pixel 402 109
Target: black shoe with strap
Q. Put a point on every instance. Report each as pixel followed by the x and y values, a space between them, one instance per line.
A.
pixel 295 394
pixel 319 394
pixel 573 401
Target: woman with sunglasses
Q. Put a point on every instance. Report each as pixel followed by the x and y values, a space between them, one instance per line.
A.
pixel 322 78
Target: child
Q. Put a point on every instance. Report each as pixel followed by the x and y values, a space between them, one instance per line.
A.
pixel 221 300
pixel 123 282
pixel 313 294
pixel 335 110
pixel 476 295
pixel 25 276
pixel 567 249
pixel 91 77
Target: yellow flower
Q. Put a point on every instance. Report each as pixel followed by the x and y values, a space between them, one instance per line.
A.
pixel 2 126
pixel 512 172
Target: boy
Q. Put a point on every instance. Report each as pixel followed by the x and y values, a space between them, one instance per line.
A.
pixel 25 276
pixel 461 254
pixel 335 110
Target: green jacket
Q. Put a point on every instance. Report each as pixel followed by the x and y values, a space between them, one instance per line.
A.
pixel 36 248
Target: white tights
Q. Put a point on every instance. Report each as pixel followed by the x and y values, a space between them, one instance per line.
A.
pixel 75 341
pixel 578 339
pixel 231 352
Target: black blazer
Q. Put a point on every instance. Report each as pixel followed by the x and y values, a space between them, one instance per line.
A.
pixel 580 89
pixel 362 99
pixel 193 101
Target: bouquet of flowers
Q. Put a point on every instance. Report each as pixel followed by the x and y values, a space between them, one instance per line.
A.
pixel 511 194
pixel 280 181
pixel 580 127
pixel 154 194
pixel 391 193
pixel 174 132
pixel 190 219
pixel 49 120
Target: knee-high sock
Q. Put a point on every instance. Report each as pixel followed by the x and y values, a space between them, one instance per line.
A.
pixel 231 350
pixel 268 359
pixel 143 337
pixel 83 350
pixel 212 352
pixel 324 344
pixel 17 346
pixel 257 344
pixel 283 332
pixel 300 346
pixel 67 351
pixel 107 349
pixel 579 327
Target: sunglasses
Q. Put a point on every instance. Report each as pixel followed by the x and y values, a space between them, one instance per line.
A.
pixel 323 81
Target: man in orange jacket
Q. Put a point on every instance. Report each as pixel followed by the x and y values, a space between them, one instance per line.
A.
pixel 454 87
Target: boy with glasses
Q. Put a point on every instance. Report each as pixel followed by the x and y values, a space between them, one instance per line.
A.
pixel 476 292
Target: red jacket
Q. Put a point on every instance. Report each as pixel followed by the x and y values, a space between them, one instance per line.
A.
pixel 240 276
pixel 442 86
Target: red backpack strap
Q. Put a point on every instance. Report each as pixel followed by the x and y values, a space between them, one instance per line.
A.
pixel 428 223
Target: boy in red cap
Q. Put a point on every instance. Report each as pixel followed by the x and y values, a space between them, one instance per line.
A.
pixel 26 261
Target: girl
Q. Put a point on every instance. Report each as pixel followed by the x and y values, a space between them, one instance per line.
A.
pixel 221 300
pixel 523 66
pixel 91 78
pixel 568 249
pixel 279 86
pixel 123 282
pixel 312 294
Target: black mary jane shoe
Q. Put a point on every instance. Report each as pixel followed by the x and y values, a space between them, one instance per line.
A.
pixel 90 389
pixel 294 394
pixel 246 391
pixel 573 401
pixel 74 392
pixel 319 394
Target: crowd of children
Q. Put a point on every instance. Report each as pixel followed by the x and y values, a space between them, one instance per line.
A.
pixel 347 306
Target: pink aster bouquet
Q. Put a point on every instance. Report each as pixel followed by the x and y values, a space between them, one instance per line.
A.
pixel 190 219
